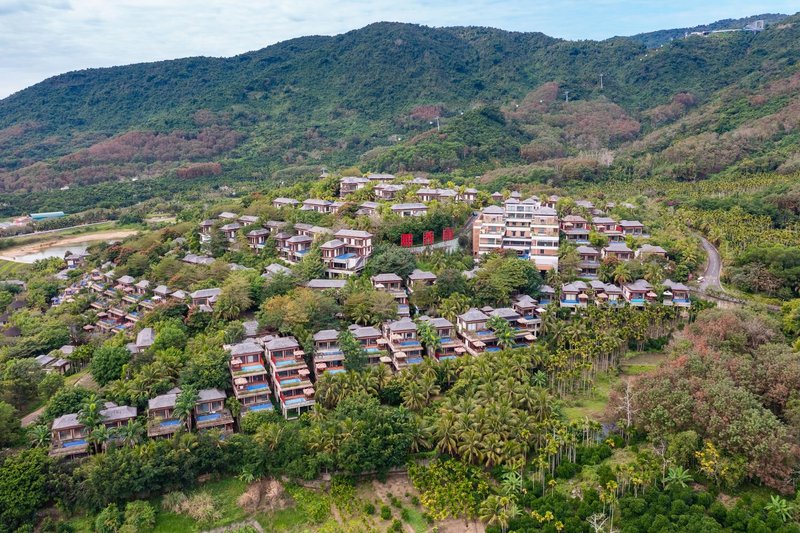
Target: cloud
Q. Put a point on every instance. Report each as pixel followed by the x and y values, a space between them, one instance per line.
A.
pixel 41 38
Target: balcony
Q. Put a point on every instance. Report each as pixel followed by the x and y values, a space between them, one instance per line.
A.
pixel 213 420
pixel 160 427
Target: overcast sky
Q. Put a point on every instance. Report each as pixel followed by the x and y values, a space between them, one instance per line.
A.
pixel 41 38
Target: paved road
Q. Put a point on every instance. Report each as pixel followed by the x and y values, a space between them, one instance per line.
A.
pixel 713 268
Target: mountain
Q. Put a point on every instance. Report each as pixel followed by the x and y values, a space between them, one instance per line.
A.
pixel 369 96
pixel 655 39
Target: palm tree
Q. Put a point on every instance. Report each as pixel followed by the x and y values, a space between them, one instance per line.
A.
pixel 503 332
pixel 539 379
pixel 184 406
pixel 269 436
pixel 454 305
pixel 498 510
pixel 89 414
pixel 512 483
pixel 621 274
pixel 677 476
pixel 446 434
pixel 99 437
pixel 39 436
pixel 131 434
pixel 780 507
pixel 428 336
pixel 470 448
pixel 653 273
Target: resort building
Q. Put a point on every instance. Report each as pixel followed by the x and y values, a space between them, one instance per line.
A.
pixel 351 184
pixel 676 294
pixel 589 261
pixel 409 210
pixel 249 377
pixel 290 376
pixel 210 411
pixel 327 355
pixel 404 347
pixel 161 419
pixel 526 227
pixel 638 293
pixel 371 340
pixel 476 335
pixel 347 254
pixel 450 346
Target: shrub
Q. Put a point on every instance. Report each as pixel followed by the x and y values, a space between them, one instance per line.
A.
pixel 202 508
pixel 109 520
pixel 405 515
pixel 369 508
pixel 139 516
pixel 173 502
pixel 414 500
pixel 386 513
pixel 397 526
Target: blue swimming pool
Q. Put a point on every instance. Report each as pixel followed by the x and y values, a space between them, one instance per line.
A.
pixel 485 333
pixel 168 423
pixel 372 350
pixel 409 343
pixel 285 362
pixel 293 401
pixel 443 357
pixel 493 349
pixel 335 371
pixel 446 340
pixel 209 417
pixel 414 360
pixel 252 368
pixel 289 381
pixel 261 407
pixel 73 443
pixel 345 256
pixel 257 386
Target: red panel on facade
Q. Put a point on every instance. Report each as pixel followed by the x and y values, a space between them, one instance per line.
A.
pixel 447 234
pixel 407 240
pixel 427 238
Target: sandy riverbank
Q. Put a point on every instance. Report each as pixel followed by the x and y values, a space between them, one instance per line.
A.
pixel 11 254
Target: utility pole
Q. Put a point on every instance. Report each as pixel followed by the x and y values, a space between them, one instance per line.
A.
pixel 566 96
pixel 601 81
pixel 438 128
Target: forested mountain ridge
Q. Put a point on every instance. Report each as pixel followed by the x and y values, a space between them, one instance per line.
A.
pixel 317 101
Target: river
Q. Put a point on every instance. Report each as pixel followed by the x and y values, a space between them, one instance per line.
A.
pixel 57 247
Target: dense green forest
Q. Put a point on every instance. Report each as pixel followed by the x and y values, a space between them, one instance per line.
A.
pixel 692 108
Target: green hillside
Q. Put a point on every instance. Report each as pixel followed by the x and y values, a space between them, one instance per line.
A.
pixel 368 96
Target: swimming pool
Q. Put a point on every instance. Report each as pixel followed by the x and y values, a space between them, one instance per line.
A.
pixel 209 417
pixel 73 443
pixel 293 401
pixel 289 381
pixel 257 386
pixel 261 407
pixel 252 368
pixel 168 423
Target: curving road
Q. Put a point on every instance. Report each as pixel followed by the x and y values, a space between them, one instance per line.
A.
pixel 713 267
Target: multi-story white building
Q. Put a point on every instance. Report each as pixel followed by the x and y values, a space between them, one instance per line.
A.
pixel 526 227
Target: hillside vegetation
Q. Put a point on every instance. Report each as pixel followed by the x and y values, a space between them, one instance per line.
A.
pixel 692 108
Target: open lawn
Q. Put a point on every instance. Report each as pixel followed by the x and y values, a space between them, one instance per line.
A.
pixel 593 403
pixel 12 270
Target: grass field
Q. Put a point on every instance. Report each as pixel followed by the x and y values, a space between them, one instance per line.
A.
pixel 593 403
pixel 12 270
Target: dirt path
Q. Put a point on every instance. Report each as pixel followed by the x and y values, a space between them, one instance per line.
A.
pixel 238 525
pixel 30 419
pixel 10 254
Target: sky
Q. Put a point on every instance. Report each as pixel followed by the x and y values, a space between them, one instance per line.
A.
pixel 42 38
